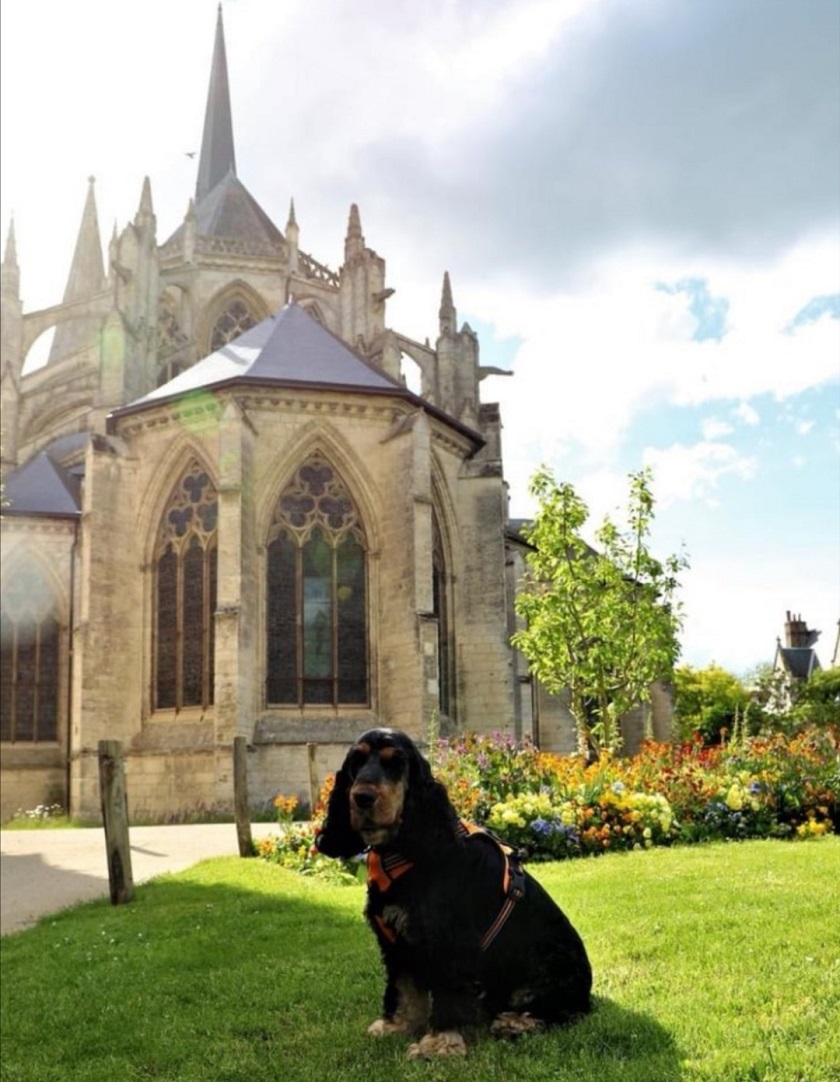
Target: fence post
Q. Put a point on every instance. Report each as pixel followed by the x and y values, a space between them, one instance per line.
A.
pixel 313 778
pixel 115 818
pixel 241 806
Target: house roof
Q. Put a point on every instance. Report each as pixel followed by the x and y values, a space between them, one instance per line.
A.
pixel 42 487
pixel 799 661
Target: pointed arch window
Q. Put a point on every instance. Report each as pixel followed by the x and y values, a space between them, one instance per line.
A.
pixel 440 596
pixel 185 594
pixel 236 318
pixel 29 658
pixel 316 603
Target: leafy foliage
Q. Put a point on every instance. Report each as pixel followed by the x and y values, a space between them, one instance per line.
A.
pixel 601 625
pixel 816 701
pixel 555 807
pixel 708 701
pixel 293 846
pixel 715 703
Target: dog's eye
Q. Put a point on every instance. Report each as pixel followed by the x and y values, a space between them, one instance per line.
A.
pixel 356 760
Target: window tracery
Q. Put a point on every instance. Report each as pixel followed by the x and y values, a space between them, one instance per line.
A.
pixel 317 645
pixel 234 321
pixel 185 590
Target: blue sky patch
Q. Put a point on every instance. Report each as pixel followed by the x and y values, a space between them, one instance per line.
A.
pixel 497 351
pixel 710 312
pixel 828 304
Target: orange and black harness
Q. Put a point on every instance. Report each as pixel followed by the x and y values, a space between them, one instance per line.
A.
pixel 384 871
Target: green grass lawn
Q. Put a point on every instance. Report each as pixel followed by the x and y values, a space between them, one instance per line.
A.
pixel 717 962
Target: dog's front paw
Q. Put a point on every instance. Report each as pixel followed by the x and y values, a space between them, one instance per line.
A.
pixel 384 1027
pixel 512 1024
pixel 433 1045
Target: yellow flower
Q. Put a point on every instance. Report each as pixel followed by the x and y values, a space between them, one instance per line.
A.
pixel 735 798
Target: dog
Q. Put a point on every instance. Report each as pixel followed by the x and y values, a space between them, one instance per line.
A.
pixel 468 938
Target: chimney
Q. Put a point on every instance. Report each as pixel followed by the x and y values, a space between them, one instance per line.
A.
pixel 797 633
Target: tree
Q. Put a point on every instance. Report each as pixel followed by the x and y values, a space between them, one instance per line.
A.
pixel 817 699
pixel 603 624
pixel 707 701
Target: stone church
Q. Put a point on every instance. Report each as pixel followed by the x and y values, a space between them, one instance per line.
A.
pixel 226 514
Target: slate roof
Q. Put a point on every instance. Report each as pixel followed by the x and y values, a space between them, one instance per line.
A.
pixel 289 347
pixel 515 530
pixel 229 213
pixel 799 661
pixel 42 487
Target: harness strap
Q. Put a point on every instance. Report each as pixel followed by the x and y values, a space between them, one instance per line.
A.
pixel 385 870
pixel 515 890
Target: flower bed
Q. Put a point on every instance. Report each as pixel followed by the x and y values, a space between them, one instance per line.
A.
pixel 555 807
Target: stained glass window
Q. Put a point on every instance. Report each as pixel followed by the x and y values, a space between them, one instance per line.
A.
pixel 317 648
pixel 185 592
pixel 235 320
pixel 29 658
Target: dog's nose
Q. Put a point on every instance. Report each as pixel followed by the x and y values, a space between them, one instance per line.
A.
pixel 364 799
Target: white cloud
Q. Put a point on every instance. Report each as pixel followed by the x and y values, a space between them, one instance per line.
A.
pixel 532 149
pixel 693 472
pixel 803 427
pixel 712 428
pixel 746 414
pixel 592 360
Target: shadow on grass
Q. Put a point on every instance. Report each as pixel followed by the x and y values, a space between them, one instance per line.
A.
pixel 237 971
pixel 618 1038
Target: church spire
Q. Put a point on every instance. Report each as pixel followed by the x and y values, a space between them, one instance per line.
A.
pixel 217 155
pixel 292 238
pixel 10 269
pixel 354 242
pixel 145 211
pixel 447 314
pixel 86 279
pixel 87 272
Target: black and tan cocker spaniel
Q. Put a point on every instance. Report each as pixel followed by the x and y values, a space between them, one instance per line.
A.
pixel 467 936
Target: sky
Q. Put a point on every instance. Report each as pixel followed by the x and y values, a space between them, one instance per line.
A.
pixel 638 203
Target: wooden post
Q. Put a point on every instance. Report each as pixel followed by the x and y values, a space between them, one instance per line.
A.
pixel 115 818
pixel 242 809
pixel 313 777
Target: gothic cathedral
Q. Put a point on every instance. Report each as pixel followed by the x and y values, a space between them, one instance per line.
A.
pixel 226 514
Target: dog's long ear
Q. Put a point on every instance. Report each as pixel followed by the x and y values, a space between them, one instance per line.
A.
pixel 337 838
pixel 429 819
